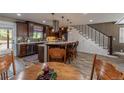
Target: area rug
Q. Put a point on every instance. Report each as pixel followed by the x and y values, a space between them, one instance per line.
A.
pixel 31 58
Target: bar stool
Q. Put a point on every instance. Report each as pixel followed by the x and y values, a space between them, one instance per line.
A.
pixel 57 53
pixel 70 53
pixel 76 45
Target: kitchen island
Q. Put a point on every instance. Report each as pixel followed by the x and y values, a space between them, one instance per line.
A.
pixel 43 49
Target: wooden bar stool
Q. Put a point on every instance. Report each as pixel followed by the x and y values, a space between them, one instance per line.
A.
pixel 57 53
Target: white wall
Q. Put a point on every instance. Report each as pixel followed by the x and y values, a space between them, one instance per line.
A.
pixel 85 45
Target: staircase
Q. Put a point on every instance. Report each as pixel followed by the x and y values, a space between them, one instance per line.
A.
pixel 96 36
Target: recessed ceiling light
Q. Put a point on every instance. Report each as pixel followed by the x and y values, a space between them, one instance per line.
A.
pixel 85 13
pixel 90 20
pixel 44 21
pixel 18 14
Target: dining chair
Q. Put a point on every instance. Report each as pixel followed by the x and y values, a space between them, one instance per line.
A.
pixel 105 70
pixel 93 66
pixel 9 59
pixel 5 63
pixel 3 74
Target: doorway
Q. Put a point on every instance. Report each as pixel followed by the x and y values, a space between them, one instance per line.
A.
pixel 6 39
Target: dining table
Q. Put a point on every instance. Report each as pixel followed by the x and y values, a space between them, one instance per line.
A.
pixel 64 71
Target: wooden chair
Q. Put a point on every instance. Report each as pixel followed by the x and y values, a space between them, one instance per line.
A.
pixel 5 63
pixel 9 59
pixel 3 74
pixel 93 66
pixel 69 52
pixel 72 51
pixel 105 70
pixel 57 53
pixel 75 48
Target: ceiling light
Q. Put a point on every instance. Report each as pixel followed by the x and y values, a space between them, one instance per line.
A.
pixel 90 20
pixel 85 13
pixel 44 21
pixel 18 14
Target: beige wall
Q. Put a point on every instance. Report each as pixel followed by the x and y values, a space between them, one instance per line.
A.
pixel 110 29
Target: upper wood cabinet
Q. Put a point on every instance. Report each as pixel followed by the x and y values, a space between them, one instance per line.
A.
pixel 26 29
pixel 34 27
pixel 22 29
pixel 30 29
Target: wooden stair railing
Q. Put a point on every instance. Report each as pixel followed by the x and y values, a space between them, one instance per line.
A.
pixel 97 36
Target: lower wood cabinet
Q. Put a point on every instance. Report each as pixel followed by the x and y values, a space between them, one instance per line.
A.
pixel 22 50
pixel 27 49
pixel 41 54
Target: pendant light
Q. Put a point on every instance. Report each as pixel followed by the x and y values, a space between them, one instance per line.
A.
pixel 53 30
pixel 69 29
pixel 67 24
pixel 62 28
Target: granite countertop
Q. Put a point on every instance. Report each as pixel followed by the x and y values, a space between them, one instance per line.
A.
pixel 60 42
pixel 31 42
pixel 48 43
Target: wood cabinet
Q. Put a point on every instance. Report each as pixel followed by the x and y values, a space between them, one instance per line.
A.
pixel 35 27
pixel 30 29
pixel 41 53
pixel 22 29
pixel 27 49
pixel 25 31
pixel 22 50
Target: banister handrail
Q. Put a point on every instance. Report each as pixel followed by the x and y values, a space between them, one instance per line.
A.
pixel 97 30
pixel 99 37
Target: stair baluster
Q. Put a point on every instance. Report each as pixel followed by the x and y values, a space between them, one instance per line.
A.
pixel 95 35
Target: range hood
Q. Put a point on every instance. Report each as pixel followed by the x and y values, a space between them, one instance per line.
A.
pixel 56 25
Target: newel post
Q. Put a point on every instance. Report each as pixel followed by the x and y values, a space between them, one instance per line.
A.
pixel 110 45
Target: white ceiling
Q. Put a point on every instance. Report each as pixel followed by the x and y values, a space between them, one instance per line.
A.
pixel 75 18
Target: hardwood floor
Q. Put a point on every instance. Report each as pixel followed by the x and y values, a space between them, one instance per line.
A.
pixel 83 63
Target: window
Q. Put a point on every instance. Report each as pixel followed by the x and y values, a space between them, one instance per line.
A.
pixel 38 32
pixel 5 42
pixel 37 35
pixel 121 35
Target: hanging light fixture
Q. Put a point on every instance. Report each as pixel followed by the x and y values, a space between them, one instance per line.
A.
pixel 69 29
pixel 53 30
pixel 67 24
pixel 55 27
pixel 62 28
